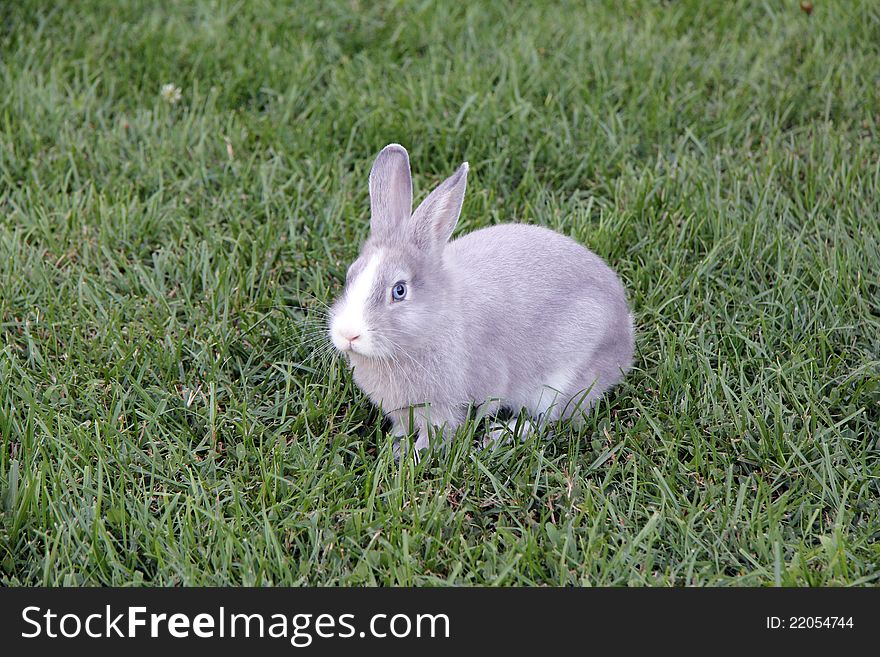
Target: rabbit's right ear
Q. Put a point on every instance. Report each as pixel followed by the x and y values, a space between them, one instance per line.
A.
pixel 390 190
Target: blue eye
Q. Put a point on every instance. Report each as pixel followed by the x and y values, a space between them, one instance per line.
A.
pixel 398 292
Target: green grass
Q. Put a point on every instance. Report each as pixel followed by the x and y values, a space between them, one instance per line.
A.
pixel 167 418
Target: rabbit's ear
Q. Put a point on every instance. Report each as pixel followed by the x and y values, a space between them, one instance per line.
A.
pixel 390 190
pixel 435 219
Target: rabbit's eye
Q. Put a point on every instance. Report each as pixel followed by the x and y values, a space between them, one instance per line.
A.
pixel 398 292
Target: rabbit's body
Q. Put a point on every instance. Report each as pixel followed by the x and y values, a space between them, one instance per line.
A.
pixel 513 315
pixel 548 323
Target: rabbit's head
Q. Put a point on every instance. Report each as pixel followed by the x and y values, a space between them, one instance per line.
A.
pixel 397 291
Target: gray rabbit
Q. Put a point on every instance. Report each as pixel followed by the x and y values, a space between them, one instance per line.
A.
pixel 512 316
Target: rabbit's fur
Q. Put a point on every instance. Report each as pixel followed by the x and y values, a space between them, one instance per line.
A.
pixel 512 315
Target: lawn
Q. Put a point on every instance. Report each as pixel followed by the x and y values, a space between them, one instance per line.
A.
pixel 170 412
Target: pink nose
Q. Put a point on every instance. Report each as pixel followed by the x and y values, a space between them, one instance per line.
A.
pixel 349 337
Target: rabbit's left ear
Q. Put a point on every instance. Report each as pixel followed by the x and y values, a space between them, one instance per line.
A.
pixel 435 219
pixel 390 190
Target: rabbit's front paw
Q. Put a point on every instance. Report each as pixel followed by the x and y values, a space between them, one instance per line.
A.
pixel 518 427
pixel 401 446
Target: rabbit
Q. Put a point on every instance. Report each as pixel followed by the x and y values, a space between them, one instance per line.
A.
pixel 511 316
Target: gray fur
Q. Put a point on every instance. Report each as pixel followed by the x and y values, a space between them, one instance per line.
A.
pixel 390 190
pixel 512 315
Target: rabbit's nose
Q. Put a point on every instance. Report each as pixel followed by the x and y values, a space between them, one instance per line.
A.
pixel 351 338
